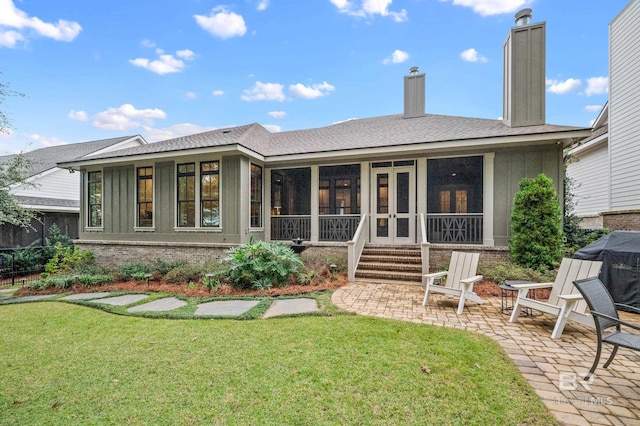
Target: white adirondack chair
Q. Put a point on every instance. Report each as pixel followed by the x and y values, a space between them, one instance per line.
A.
pixel 565 301
pixel 460 279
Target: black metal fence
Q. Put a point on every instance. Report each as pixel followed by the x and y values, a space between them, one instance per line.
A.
pixel 21 265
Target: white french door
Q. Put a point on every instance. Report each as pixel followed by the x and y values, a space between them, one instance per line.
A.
pixel 394 205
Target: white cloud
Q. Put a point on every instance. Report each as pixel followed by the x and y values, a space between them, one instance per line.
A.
pixel 273 128
pixel 311 92
pixel 45 141
pixel 185 54
pixel 190 95
pixel 152 134
pixel 10 38
pixel 12 17
pixel 78 115
pixel 277 114
pixel 397 57
pixel 370 8
pixel 147 43
pixel 472 55
pixel 264 92
pixel 165 64
pixel 217 92
pixel 222 23
pixel 563 87
pixel 593 108
pixel 262 5
pixel 126 117
pixel 597 86
pixel 491 7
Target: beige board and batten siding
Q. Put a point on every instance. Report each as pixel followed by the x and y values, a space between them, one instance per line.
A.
pixel 511 166
pixel 624 109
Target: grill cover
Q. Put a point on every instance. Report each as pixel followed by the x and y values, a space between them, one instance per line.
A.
pixel 619 252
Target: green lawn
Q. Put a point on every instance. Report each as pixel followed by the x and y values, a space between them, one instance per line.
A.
pixel 67 364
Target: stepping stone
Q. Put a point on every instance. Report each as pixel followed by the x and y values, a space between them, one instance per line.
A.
pixel 166 304
pixel 85 296
pixel 225 308
pixel 291 306
pixel 127 299
pixel 33 298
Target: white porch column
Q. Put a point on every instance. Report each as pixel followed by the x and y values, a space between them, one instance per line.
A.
pixel 315 208
pixel 365 188
pixel 487 197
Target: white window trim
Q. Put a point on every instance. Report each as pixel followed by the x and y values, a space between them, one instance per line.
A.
pixel 198 182
pixel 262 210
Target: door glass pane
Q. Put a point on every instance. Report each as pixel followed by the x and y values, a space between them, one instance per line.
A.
pixel 402 192
pixel 383 193
pixel 402 227
pixel 382 227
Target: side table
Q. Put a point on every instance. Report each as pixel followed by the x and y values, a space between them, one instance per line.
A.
pixel 508 295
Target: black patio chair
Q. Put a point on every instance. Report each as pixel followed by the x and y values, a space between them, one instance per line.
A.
pixel 605 316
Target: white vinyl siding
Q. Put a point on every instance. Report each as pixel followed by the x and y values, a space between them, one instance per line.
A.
pixel 55 183
pixel 624 109
pixel 591 196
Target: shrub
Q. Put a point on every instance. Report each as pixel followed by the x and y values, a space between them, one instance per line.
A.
pixel 91 269
pixel 59 281
pixel 27 259
pixel 503 271
pixel 317 260
pixel 89 280
pixel 128 271
pixel 261 265
pixel 163 266
pixel 184 273
pixel 536 234
pixel 67 258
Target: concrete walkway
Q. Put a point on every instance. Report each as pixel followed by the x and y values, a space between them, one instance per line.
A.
pixel 554 368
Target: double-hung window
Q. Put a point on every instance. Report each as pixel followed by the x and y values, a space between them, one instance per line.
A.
pixel 145 197
pixel 256 196
pixel 94 199
pixel 198 194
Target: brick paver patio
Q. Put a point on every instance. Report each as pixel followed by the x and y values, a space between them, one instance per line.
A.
pixel 554 368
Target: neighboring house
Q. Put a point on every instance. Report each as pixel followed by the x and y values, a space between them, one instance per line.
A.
pixel 606 173
pixel 402 178
pixel 55 196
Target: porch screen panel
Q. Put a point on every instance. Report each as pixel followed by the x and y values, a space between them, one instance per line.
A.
pixel 291 204
pixel 339 191
pixel 145 196
pixel 210 194
pixel 94 198
pixel 187 195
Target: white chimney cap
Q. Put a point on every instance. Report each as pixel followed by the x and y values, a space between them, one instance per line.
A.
pixel 523 17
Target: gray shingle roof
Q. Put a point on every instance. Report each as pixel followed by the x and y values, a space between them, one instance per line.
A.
pixel 390 130
pixel 49 202
pixel 47 158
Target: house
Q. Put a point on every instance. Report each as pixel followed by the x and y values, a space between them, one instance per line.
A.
pixel 405 179
pixel 606 177
pixel 55 194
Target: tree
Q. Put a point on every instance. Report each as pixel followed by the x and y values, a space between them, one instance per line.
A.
pixel 536 225
pixel 13 172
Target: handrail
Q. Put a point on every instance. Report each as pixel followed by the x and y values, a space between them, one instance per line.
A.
pixel 424 245
pixel 356 245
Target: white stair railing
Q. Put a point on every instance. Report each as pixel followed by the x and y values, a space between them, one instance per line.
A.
pixel 356 245
pixel 424 244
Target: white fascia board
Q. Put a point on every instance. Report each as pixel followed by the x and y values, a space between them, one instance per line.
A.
pixel 590 145
pixel 161 155
pixel 603 117
pixel 117 146
pixel 41 208
pixel 456 145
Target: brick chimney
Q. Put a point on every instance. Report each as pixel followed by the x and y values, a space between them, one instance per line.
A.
pixel 414 94
pixel 524 73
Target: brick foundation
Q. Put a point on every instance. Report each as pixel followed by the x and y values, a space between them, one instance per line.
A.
pixel 114 253
pixel 622 221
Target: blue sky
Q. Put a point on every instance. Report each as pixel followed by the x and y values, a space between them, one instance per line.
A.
pixel 164 68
